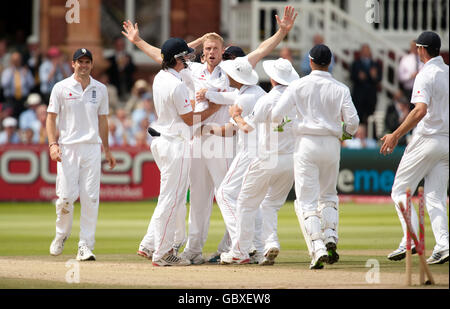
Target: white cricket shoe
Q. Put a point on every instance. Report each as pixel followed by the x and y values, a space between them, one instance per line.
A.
pixel 171 260
pixel 319 257
pixel 256 258
pixel 228 258
pixel 57 246
pixel 438 257
pixel 85 254
pixel 145 252
pixel 195 259
pixel 270 256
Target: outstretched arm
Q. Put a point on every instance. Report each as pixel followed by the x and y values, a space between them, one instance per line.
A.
pixel 131 32
pixel 268 45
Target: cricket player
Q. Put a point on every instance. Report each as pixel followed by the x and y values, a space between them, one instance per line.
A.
pixel 244 78
pixel 171 150
pixel 269 177
pixel 207 172
pixel 426 156
pixel 322 103
pixel 81 105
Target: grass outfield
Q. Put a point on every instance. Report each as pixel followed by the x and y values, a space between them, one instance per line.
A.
pixel 26 230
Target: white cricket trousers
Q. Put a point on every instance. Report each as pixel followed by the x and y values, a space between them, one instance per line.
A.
pixel 208 168
pixel 316 168
pixel 172 157
pixel 78 175
pixel 425 157
pixel 227 198
pixel 265 186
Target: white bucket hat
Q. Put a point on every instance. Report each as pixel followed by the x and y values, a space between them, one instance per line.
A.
pixel 9 122
pixel 281 71
pixel 34 99
pixel 240 70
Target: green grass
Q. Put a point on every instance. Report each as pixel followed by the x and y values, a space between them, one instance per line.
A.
pixel 26 229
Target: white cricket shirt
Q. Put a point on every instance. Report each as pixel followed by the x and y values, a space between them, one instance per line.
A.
pixel 431 87
pixel 171 99
pixel 217 81
pixel 321 104
pixel 246 100
pixel 272 141
pixel 78 110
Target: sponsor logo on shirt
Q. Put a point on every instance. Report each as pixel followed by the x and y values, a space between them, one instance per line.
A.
pixel 187 103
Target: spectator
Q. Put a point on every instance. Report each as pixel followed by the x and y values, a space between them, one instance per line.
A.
pixel 29 116
pixel 408 68
pixel 360 140
pixel 286 53
pixel 304 64
pixel 140 88
pixel 113 138
pixel 26 136
pixel 39 126
pixel 145 111
pixel 140 140
pixel 113 96
pixel 124 129
pixel 4 61
pixel 395 115
pixel 52 70
pixel 121 69
pixel 365 75
pixel 33 59
pixel 9 134
pixel 17 82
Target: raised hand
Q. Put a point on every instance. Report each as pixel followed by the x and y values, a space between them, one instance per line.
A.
pixel 131 32
pixel 288 20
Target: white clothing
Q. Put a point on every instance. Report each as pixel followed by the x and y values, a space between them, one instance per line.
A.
pixel 427 154
pixel 171 100
pixel 321 103
pixel 78 175
pixel 408 65
pixel 432 88
pixel 78 110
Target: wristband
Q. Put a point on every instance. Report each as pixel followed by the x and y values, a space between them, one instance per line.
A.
pixel 50 146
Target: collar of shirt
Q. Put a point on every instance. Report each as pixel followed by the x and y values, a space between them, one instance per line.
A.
pixel 243 89
pixel 174 73
pixel 75 83
pixel 217 69
pixel 320 73
pixel 278 88
pixel 435 60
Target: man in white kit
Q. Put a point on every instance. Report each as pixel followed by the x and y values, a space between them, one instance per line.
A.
pixel 207 173
pixel 171 150
pixel 426 156
pixel 322 103
pixel 269 177
pixel 81 105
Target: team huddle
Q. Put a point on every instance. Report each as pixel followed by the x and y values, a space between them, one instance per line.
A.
pixel 221 136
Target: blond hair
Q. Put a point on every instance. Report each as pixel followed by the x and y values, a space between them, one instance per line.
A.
pixel 213 36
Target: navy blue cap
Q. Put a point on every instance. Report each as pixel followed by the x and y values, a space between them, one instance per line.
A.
pixel 320 54
pixel 232 52
pixel 173 47
pixel 429 39
pixel 82 52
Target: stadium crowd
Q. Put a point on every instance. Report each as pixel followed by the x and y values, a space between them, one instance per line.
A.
pixel 28 75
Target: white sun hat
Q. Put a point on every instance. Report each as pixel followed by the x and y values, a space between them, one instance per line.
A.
pixel 34 99
pixel 281 71
pixel 9 122
pixel 240 70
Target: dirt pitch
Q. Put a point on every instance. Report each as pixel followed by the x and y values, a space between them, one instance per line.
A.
pixel 130 271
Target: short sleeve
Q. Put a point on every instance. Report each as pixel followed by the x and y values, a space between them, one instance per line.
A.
pixel 261 111
pixel 421 90
pixel 181 99
pixel 104 104
pixel 54 105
